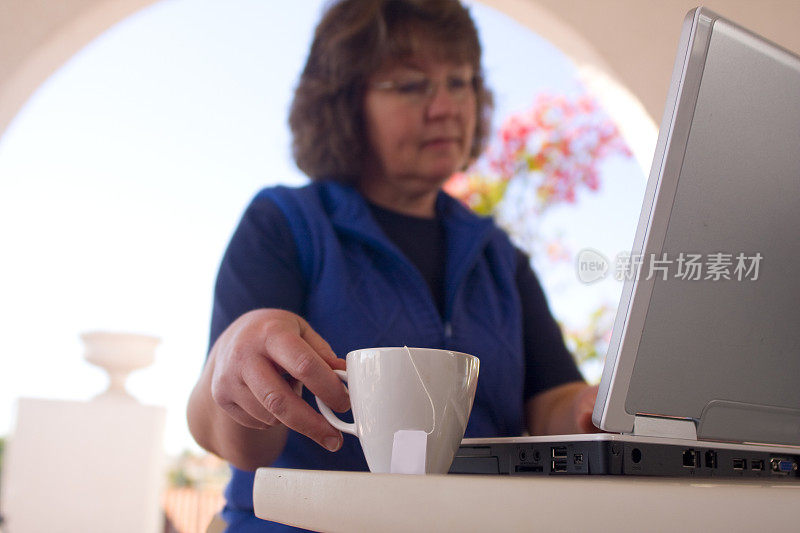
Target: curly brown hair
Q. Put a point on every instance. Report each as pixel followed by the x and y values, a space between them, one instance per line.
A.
pixel 352 41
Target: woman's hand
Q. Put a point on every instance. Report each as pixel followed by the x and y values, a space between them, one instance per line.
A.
pixel 252 383
pixel 562 410
pixel 261 363
pixel 582 408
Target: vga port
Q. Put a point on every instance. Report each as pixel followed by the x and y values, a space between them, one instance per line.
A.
pixel 781 465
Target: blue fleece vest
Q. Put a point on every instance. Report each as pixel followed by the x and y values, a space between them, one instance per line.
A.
pixel 363 292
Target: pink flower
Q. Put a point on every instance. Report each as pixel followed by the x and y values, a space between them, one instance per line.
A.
pixel 557 145
pixel 560 138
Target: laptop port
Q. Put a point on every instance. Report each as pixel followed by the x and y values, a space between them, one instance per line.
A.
pixel 529 468
pixel 711 459
pixel 739 464
pixel 690 459
pixel 559 452
pixel 636 455
pixel 780 465
pixel 577 458
pixel 558 466
pixel 757 464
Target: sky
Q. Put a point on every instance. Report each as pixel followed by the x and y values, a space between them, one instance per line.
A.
pixel 123 177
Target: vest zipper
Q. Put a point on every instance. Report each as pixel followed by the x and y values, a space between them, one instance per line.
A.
pixel 448 330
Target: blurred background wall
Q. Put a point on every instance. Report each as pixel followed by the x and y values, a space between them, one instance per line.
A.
pixel 633 41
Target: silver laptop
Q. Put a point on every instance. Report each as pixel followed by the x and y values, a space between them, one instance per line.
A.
pixel 702 376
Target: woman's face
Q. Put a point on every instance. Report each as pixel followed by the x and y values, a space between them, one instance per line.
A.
pixel 420 120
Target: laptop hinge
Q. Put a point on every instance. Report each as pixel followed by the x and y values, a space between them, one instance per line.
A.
pixel 655 426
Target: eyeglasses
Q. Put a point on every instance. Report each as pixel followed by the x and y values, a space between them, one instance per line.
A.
pixel 421 90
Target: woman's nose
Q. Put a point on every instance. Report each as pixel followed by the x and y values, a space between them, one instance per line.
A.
pixel 443 102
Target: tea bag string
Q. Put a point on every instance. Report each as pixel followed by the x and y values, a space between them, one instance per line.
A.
pixel 422 382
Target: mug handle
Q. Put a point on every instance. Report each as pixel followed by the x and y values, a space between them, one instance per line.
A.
pixel 332 418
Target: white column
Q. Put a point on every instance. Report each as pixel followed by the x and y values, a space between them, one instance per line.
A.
pixel 87 466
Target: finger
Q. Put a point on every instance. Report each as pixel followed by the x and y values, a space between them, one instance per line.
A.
pixel 320 345
pixel 277 397
pixel 584 408
pixel 252 407
pixel 243 418
pixel 300 360
pixel 585 424
pixel 295 384
pixel 588 398
pixel 227 393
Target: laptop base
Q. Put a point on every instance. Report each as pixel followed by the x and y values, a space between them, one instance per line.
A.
pixel 608 454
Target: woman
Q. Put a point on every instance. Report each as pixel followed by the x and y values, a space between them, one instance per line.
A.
pixel 390 104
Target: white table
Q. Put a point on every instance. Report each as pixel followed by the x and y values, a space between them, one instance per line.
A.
pixel 348 501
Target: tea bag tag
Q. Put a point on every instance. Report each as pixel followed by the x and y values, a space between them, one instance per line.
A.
pixel 408 451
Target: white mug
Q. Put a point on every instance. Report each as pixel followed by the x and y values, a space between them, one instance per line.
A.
pixel 410 406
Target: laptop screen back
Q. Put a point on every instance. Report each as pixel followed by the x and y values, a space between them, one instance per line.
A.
pixel 709 328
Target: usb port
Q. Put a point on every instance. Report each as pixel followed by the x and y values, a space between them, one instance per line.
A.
pixel 690 459
pixel 559 452
pixel 757 464
pixel 558 466
pixel 711 459
pixel 577 458
pixel 739 464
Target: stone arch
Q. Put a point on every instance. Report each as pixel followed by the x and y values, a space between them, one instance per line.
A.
pixel 635 123
pixel 39 40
